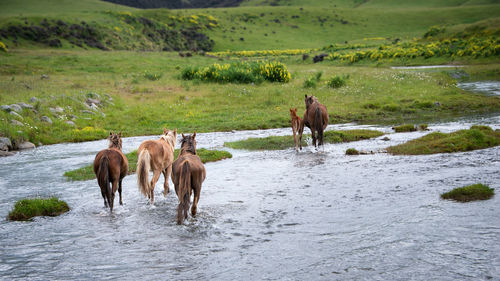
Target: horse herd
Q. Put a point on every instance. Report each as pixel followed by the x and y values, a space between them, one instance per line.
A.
pixel 187 172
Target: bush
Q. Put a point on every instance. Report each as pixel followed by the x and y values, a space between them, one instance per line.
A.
pixel 469 193
pixel 337 81
pixel 26 209
pixel 152 76
pixel 239 72
pixel 310 83
pixel 352 151
pixel 3 48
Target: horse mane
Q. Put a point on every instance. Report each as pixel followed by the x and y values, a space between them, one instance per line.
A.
pixel 169 138
pixel 187 145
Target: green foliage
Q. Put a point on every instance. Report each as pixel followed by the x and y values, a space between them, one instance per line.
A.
pixel 26 209
pixel 239 72
pixel 284 142
pixel 477 137
pixel 337 81
pixel 87 172
pixel 3 48
pixel 310 82
pixel 405 128
pixel 470 193
pixel 352 151
pixel 433 31
pixel 152 76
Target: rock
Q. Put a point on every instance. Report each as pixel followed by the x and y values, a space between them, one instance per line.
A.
pixel 57 109
pixel 46 119
pixel 6 108
pixel 25 145
pixel 34 99
pixel 71 123
pixel 108 97
pixel 16 123
pixel 44 76
pixel 16 107
pixel 93 95
pixel 385 138
pixel 88 112
pixel 6 153
pixel 5 144
pixel 73 117
pixel 16 115
pixel 25 105
pixel 93 106
pixel 91 101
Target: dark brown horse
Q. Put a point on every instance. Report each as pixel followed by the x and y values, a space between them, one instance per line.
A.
pixel 188 173
pixel 315 118
pixel 111 166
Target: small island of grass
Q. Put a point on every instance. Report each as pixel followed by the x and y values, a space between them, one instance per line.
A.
pixel 26 209
pixel 477 137
pixel 87 172
pixel 469 193
pixel 284 142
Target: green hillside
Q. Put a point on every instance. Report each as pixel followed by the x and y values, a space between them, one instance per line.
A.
pixel 297 24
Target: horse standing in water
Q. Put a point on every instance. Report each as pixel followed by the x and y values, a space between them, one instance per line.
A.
pixel 315 118
pixel 297 126
pixel 111 166
pixel 156 155
pixel 188 175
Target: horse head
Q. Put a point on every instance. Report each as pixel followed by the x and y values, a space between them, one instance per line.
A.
pixel 310 100
pixel 169 135
pixel 115 140
pixel 188 143
pixel 293 112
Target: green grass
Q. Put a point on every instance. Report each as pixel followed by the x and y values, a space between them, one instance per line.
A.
pixel 284 142
pixel 405 128
pixel 470 193
pixel 26 209
pixel 352 151
pixel 477 137
pixel 87 172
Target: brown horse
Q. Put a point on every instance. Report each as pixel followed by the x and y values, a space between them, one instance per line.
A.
pixel 297 126
pixel 111 166
pixel 156 155
pixel 315 118
pixel 188 173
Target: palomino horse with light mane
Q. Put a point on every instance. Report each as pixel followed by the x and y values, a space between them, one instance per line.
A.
pixel 297 126
pixel 156 155
pixel 111 166
pixel 188 173
pixel 315 118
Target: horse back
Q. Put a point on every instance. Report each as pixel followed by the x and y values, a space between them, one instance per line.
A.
pixel 118 163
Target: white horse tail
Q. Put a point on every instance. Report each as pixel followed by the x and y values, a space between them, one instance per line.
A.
pixel 143 167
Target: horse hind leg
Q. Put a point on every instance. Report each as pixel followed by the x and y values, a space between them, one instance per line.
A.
pixel 166 173
pixel 120 191
pixel 103 193
pixel 112 195
pixel 194 208
pixel 156 176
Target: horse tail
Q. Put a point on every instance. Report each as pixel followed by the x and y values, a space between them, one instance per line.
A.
pixel 318 124
pixel 184 192
pixel 103 177
pixel 143 167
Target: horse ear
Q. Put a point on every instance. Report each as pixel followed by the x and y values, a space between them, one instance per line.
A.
pixel 306 96
pixel 194 135
pixel 183 136
pixel 165 130
pixel 110 133
pixel 120 134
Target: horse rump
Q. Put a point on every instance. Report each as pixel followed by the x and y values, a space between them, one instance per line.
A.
pixel 318 124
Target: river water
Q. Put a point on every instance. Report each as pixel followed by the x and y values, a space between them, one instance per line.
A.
pixel 312 215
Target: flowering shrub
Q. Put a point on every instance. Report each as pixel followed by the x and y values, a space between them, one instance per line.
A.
pixel 240 72
pixel 3 48
pixel 88 133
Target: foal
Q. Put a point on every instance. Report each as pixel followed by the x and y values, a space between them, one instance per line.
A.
pixel 111 166
pixel 297 126
pixel 188 173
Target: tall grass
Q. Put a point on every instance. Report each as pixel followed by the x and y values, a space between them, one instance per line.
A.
pixel 26 209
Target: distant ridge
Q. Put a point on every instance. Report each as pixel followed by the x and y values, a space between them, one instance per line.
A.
pixel 177 4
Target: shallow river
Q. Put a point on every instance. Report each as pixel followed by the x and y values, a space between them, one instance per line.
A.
pixel 263 215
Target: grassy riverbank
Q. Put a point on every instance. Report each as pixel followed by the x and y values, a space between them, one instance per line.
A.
pixel 26 209
pixel 284 142
pixel 87 172
pixel 477 137
pixel 470 193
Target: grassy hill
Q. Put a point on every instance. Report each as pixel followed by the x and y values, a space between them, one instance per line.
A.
pixel 297 24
